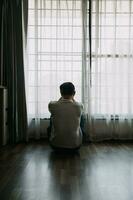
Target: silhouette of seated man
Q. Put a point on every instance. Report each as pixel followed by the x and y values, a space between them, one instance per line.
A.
pixel 65 131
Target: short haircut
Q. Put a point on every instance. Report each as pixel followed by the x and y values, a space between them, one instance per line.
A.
pixel 67 88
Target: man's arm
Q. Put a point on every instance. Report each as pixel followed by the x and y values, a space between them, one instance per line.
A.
pixel 49 107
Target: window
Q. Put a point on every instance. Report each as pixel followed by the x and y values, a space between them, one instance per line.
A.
pixel 112 57
pixel 55 54
pixel 54 51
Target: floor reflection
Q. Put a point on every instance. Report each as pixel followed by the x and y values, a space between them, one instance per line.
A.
pixel 96 172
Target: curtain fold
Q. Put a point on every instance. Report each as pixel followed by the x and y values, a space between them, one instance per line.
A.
pixel 111 98
pixel 25 18
pixel 12 68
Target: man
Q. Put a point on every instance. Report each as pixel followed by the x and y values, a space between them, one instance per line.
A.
pixel 65 119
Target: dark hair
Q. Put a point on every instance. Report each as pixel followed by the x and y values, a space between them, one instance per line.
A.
pixel 67 88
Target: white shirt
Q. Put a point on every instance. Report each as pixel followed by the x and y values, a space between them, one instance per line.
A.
pixel 66 132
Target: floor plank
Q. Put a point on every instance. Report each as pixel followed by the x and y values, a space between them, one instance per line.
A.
pixel 99 171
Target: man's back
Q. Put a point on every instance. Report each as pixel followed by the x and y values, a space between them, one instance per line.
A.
pixel 66 132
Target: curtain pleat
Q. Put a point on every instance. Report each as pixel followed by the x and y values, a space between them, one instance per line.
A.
pixel 12 68
pixel 25 17
pixel 111 114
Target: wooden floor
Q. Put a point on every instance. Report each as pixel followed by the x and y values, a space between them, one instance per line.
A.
pixel 102 171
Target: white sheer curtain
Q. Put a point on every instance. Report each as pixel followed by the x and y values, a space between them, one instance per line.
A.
pixel 54 53
pixel 111 99
pixel 58 50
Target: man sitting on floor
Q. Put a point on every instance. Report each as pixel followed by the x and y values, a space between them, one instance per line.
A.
pixel 65 131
